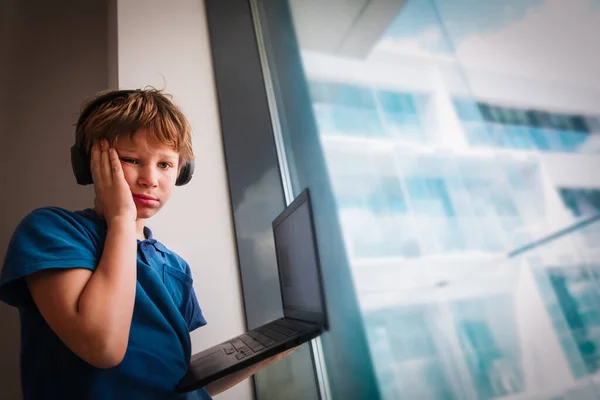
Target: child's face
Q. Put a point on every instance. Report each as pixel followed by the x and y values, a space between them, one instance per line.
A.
pixel 150 171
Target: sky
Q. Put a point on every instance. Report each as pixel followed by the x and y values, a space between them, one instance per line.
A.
pixel 552 40
pixel 420 16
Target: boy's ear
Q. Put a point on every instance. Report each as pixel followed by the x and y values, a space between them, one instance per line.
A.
pixel 186 173
pixel 80 162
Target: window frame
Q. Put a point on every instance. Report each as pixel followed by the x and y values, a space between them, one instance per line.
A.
pixel 252 121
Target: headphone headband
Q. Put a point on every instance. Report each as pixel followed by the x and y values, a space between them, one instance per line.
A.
pixel 100 101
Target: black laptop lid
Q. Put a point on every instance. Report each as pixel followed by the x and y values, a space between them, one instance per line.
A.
pixel 298 262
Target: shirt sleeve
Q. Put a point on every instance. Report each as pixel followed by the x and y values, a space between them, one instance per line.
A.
pixel 193 312
pixel 46 238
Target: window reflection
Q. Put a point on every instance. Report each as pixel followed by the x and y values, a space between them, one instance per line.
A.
pixel 581 202
pixel 524 129
pixel 573 305
pixel 442 163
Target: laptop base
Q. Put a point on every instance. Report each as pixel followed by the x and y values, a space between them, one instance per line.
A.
pixel 245 350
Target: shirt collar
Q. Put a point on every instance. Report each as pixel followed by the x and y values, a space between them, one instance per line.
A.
pixel 148 233
pixel 150 239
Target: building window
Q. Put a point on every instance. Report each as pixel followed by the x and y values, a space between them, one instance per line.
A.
pixel 488 125
pixel 352 110
pixel 571 296
pixel 410 357
pixel 581 202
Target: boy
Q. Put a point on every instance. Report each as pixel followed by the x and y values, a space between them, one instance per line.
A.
pixel 106 310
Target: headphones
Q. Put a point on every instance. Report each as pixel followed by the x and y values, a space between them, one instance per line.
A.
pixel 80 156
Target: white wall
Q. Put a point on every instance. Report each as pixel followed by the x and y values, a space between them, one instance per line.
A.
pixel 165 44
pixel 52 60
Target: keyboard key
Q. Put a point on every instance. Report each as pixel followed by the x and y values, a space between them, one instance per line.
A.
pixel 282 329
pixel 240 356
pixel 252 343
pixel 276 329
pixel 291 325
pixel 229 349
pixel 237 343
pixel 265 341
pixel 272 334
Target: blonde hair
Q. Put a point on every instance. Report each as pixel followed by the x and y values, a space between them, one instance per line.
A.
pixel 126 112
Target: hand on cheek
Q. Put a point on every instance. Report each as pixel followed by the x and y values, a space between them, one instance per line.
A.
pixel 113 197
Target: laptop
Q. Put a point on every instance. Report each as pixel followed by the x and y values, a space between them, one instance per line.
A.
pixel 304 311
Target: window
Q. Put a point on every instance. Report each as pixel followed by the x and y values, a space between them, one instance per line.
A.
pixel 346 109
pixel 581 202
pixel 408 359
pixel 573 306
pixel 429 164
pixel 490 125
pixel 489 342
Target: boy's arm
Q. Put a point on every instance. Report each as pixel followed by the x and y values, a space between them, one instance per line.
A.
pixel 229 381
pixel 91 312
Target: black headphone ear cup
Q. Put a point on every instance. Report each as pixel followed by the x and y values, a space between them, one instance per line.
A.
pixel 186 173
pixel 80 162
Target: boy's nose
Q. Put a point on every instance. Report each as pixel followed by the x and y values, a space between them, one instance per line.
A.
pixel 148 177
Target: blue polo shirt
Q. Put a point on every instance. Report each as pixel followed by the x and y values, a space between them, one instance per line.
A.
pixel 165 312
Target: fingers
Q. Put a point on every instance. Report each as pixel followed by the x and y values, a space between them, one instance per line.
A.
pixel 105 167
pixel 287 353
pixel 115 164
pixel 278 357
pixel 104 163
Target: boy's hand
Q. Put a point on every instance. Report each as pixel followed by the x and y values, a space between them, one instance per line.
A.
pixel 275 358
pixel 113 196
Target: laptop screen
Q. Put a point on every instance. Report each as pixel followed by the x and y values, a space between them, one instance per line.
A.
pixel 297 259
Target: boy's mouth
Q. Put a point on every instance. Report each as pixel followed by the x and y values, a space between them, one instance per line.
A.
pixel 145 201
pixel 143 196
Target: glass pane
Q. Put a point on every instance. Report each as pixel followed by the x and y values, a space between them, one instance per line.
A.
pixel 461 151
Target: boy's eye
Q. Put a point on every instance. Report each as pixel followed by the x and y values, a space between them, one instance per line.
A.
pixel 164 165
pixel 129 160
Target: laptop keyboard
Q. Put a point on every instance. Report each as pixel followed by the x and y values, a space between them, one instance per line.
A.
pixel 279 330
pixel 262 337
pixel 272 334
